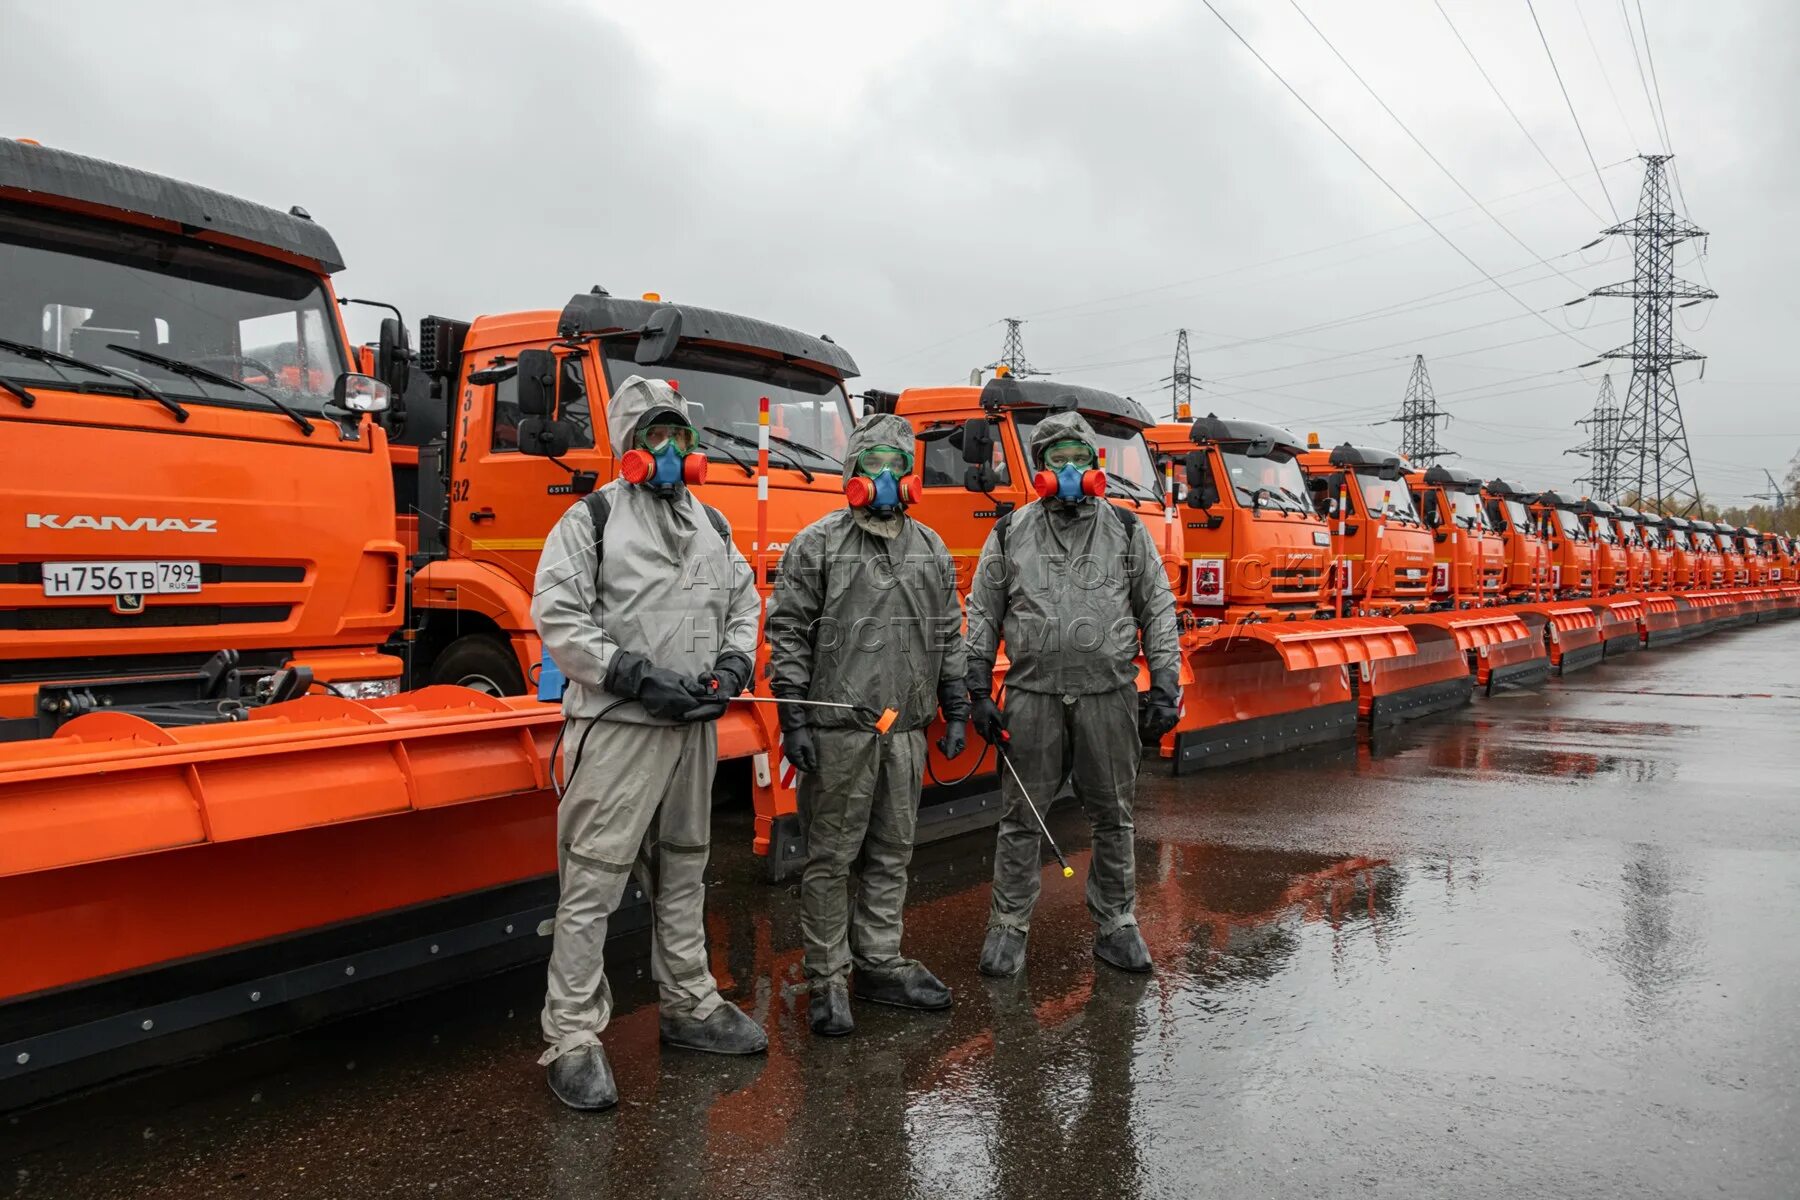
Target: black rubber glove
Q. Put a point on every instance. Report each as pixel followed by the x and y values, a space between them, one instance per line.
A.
pixel 730 673
pixel 797 744
pixel 989 721
pixel 955 739
pixel 666 695
pixel 1159 710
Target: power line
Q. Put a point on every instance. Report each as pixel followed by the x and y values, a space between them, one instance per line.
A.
pixel 1668 142
pixel 1605 75
pixel 1498 95
pixel 1398 195
pixel 1572 113
pixel 1423 149
pixel 1637 61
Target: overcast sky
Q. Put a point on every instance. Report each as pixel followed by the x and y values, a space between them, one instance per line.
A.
pixel 903 176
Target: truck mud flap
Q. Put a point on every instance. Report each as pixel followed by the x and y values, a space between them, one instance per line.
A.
pixel 1256 689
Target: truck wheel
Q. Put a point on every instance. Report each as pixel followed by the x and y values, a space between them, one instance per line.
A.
pixel 482 662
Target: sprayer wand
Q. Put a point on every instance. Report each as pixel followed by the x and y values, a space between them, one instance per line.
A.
pixel 1067 870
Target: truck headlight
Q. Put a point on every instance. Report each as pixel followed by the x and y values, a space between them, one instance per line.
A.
pixel 365 689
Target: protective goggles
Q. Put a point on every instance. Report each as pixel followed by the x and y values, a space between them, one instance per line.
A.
pixel 876 459
pixel 1072 453
pixel 657 437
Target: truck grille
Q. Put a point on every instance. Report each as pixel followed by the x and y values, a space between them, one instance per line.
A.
pixel 34 620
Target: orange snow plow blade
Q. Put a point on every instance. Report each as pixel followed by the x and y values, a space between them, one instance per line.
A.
pixel 1665 620
pixel 1502 650
pixel 166 885
pixel 1254 689
pixel 1571 631
pixel 1619 620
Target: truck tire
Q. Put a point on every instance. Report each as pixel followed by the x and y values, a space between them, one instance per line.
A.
pixel 480 661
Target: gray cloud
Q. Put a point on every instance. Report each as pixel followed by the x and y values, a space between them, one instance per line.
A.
pixel 1001 162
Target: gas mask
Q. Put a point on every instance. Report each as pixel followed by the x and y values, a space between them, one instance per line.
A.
pixel 1069 474
pixel 882 484
pixel 664 457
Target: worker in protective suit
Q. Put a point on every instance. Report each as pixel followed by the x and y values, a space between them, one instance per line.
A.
pixel 1071 583
pixel 865 613
pixel 654 625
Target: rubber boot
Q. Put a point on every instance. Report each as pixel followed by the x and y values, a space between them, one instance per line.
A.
pixel 583 1079
pixel 912 986
pixel 727 1031
pixel 1123 948
pixel 1003 953
pixel 829 1009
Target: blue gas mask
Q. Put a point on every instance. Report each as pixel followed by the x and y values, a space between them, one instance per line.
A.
pixel 887 492
pixel 668 465
pixel 1068 483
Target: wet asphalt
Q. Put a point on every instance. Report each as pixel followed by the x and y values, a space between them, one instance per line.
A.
pixel 1543 947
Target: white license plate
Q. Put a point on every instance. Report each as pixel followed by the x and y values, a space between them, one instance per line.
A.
pixel 121 578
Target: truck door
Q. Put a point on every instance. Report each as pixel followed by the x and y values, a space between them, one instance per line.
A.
pixel 502 502
pixel 967 517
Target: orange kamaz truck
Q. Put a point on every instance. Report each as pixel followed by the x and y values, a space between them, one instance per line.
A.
pixel 504 427
pixel 1471 563
pixel 193 494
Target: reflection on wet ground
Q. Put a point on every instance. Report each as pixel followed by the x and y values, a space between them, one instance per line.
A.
pixel 1543 947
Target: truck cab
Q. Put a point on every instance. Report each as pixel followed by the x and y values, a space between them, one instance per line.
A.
pixel 1470 568
pixel 1612 569
pixel 194 492
pixel 1251 546
pixel 975 463
pixel 1383 549
pixel 1714 571
pixel 1635 539
pixel 1778 557
pixel 525 396
pixel 1509 510
pixel 1571 546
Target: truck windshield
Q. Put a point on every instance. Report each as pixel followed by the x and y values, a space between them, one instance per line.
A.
pixel 1603 530
pixel 722 388
pixel 1516 516
pixel 1389 498
pixel 1127 453
pixel 1571 526
pixel 1272 482
pixel 80 286
pixel 1679 538
pixel 1467 507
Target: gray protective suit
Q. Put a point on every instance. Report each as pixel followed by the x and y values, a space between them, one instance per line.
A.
pixel 1070 594
pixel 639 798
pixel 864 612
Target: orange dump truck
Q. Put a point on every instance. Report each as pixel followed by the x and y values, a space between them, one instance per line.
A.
pixel 193 495
pixel 1385 554
pixel 1471 565
pixel 1267 668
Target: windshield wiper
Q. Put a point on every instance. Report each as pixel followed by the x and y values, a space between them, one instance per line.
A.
pixel 54 359
pixel 748 469
pixel 1134 487
pixel 26 399
pixel 192 371
pixel 744 441
pixel 812 450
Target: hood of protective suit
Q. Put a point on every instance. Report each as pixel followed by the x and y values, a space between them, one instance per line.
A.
pixel 879 429
pixel 636 399
pixel 1061 427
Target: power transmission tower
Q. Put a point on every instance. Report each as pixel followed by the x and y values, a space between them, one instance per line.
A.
pixel 1777 498
pixel 1012 355
pixel 1602 447
pixel 1654 464
pixel 1181 383
pixel 1418 419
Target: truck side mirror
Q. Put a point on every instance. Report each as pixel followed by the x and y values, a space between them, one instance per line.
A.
pixel 393 354
pixel 980 479
pixel 661 334
pixel 1432 515
pixel 537 385
pixel 1202 492
pixel 978 444
pixel 543 437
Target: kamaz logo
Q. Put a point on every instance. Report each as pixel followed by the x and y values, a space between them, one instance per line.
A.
pixel 123 524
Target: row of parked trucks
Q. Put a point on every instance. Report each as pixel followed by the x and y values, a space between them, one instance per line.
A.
pixel 271 743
